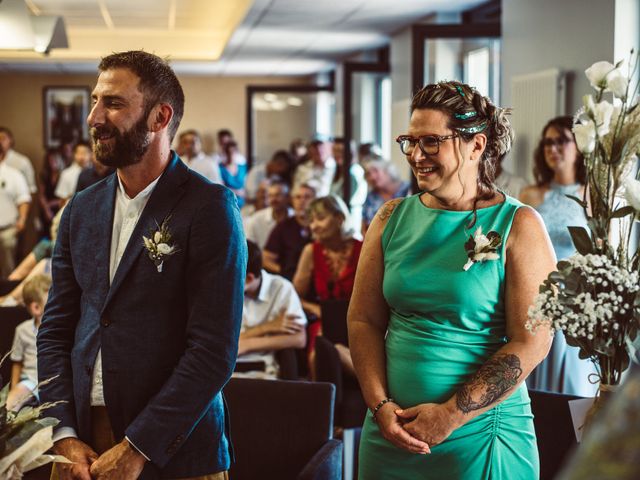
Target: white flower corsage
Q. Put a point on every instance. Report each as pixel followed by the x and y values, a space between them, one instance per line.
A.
pixel 158 244
pixel 481 248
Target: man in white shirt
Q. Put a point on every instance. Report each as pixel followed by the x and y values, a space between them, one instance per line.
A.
pixel 190 151
pixel 258 226
pixel 319 170
pixel 272 317
pixel 68 181
pixel 15 199
pixel 17 160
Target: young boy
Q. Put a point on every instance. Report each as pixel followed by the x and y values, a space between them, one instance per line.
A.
pixel 24 375
pixel 272 318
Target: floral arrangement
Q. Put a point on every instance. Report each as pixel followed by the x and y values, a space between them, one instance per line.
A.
pixel 594 297
pixel 158 244
pixel 24 438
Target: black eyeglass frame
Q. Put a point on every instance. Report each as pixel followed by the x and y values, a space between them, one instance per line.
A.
pixel 556 142
pixel 439 139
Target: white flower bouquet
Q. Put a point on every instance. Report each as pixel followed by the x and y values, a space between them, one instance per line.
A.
pixel 594 297
pixel 25 437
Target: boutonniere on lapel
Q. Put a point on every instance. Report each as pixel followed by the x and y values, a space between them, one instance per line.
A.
pixel 481 248
pixel 158 244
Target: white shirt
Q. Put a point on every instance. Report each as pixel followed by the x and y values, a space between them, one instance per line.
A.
pixel 13 192
pixel 68 181
pixel 258 226
pixel 205 166
pixel 319 177
pixel 126 214
pixel 24 165
pixel 256 175
pixel 510 183
pixel 276 293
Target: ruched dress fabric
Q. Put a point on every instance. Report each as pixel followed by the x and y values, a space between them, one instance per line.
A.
pixel 444 324
pixel 563 371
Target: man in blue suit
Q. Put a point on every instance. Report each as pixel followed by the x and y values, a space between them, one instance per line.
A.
pixel 142 323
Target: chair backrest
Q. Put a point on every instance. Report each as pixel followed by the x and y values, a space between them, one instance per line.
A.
pixel 334 320
pixel 554 430
pixel 10 318
pixel 277 426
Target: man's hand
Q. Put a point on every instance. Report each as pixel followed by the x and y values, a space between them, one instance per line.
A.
pixel 285 324
pixel 78 452
pixel 429 422
pixel 391 428
pixel 122 462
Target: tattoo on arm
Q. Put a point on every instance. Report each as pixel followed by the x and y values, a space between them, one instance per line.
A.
pixel 494 379
pixel 387 209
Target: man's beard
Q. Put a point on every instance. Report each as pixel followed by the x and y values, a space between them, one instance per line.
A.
pixel 126 149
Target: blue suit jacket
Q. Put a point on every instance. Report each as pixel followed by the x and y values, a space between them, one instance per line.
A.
pixel 169 339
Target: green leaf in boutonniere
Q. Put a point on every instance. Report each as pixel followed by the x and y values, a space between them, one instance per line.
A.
pixel 158 244
pixel 481 248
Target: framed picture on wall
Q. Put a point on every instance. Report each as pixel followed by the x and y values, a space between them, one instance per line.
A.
pixel 65 111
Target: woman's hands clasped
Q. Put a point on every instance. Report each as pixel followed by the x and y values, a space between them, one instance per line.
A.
pixel 430 423
pixel 392 429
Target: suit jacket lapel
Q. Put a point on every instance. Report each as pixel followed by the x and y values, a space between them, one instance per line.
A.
pixel 104 206
pixel 165 195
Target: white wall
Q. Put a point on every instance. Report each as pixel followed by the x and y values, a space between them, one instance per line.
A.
pixel 400 59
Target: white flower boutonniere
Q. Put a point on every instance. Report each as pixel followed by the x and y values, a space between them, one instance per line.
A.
pixel 158 244
pixel 481 248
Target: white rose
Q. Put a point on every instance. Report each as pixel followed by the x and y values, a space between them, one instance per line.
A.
pixel 589 103
pixel 602 114
pixel 157 237
pixel 597 74
pixel 618 85
pixel 585 136
pixel 164 249
pixel 632 192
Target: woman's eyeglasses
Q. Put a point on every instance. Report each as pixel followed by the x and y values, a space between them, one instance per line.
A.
pixel 429 144
pixel 557 142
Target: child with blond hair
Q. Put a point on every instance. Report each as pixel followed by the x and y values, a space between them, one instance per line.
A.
pixel 24 373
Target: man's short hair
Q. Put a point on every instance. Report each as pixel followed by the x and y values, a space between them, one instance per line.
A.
pixel 276 182
pixel 254 259
pixel 224 132
pixel 81 143
pixel 35 289
pixel 9 134
pixel 158 82
pixel 191 131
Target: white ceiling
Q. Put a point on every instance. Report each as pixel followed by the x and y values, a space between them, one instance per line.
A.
pixel 275 37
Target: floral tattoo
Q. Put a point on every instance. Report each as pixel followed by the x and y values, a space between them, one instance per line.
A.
pixel 387 209
pixel 494 379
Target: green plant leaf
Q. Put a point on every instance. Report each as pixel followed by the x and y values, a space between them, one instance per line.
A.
pixel 579 201
pixel 581 240
pixel 623 211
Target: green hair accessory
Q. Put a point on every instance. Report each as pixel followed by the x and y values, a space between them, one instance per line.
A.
pixel 460 91
pixel 466 115
pixel 471 130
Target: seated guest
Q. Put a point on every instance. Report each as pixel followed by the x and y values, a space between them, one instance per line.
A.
pixel 190 151
pixel 258 226
pixel 233 172
pixel 47 183
pixel 24 376
pixel 272 317
pixel 96 172
pixel 368 152
pixel 69 177
pixel 288 238
pixel 259 202
pixel 384 184
pixel 318 170
pixel 279 167
pixel 328 265
pixel 298 150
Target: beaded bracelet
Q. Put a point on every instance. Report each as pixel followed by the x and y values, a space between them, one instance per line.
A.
pixel 379 406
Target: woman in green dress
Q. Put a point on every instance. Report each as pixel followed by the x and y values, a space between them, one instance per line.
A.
pixel 438 312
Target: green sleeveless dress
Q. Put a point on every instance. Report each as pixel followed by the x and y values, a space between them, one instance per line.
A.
pixel 444 324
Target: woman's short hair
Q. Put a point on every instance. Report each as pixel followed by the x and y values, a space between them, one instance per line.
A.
pixel 333 205
pixel 470 113
pixel 542 173
pixel 385 166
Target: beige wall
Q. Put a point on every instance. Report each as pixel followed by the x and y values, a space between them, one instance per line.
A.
pixel 211 103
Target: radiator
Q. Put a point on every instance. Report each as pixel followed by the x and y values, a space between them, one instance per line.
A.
pixel 536 98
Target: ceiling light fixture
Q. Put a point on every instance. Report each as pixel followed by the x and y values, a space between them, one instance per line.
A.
pixel 22 31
